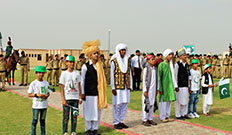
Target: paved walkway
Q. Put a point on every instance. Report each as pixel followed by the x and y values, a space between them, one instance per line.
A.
pixel 133 120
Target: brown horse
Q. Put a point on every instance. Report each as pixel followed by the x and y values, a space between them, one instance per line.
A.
pixel 11 66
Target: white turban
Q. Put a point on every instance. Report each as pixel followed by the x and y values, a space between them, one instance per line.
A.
pixel 122 62
pixel 165 54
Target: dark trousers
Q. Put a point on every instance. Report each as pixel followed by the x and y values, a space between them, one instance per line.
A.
pixel 36 113
pixel 137 78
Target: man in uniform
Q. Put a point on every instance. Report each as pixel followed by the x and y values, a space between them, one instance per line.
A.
pixel 199 61
pixel 204 62
pixel 214 66
pixel 107 64
pixel 2 72
pixel 82 60
pixel 62 64
pixel 49 70
pixel 25 67
pixel 55 72
pixel 225 64
pixel 218 67
pixel 209 60
pixel 188 60
pixel 230 65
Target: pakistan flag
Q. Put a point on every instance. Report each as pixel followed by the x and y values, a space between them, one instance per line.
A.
pixel 224 88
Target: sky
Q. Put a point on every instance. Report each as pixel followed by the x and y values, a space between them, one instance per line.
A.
pixel 147 25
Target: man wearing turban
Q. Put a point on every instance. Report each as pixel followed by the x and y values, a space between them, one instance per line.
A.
pixel 121 84
pixel 93 87
pixel 167 83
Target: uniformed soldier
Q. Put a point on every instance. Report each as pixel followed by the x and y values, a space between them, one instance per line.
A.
pixel 2 72
pixel 107 73
pixel 218 67
pixel 189 61
pixel 62 64
pixel 204 62
pixel 200 63
pixel 81 62
pixel 55 72
pixel 214 66
pixel 25 67
pixel 230 65
pixel 49 70
pixel 209 60
pixel 225 64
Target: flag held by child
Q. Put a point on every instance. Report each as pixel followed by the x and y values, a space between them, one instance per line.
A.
pixel 224 88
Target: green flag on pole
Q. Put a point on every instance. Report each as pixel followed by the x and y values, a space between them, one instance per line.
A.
pixel 224 88
pixel 0 35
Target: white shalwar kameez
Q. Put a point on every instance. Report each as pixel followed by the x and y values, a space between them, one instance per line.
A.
pixel 151 93
pixel 91 112
pixel 121 100
pixel 207 98
pixel 181 103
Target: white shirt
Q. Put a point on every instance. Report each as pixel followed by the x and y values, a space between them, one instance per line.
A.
pixel 83 73
pixel 37 87
pixel 195 79
pixel 71 81
pixel 136 59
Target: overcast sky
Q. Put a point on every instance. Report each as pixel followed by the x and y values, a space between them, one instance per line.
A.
pixel 148 25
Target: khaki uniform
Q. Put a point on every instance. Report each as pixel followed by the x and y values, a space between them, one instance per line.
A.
pixel 49 71
pixel 25 67
pixel 189 63
pixel 79 64
pixel 209 61
pixel 200 65
pixel 230 65
pixel 204 62
pixel 225 64
pixel 55 72
pixel 218 68
pixel 3 72
pixel 62 66
pixel 107 73
pixel 214 67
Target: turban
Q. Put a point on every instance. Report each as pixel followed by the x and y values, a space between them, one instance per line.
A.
pixel 90 47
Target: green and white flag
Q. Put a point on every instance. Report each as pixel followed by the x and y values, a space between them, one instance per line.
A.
pixel 224 88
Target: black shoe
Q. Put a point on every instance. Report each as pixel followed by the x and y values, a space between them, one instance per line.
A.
pixel 123 125
pixel 117 126
pixel 25 84
pixel 21 84
pixel 94 132
pixel 186 117
pixel 88 132
pixel 152 122
pixel 180 118
pixel 13 83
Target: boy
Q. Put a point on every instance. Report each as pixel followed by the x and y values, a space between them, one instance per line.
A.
pixel 39 90
pixel 182 89
pixel 195 86
pixel 70 89
pixel 207 89
pixel 2 72
pixel 150 86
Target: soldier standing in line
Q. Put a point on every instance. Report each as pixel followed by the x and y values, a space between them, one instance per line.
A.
pixel 107 73
pixel 218 67
pixel 225 64
pixel 2 72
pixel 80 62
pixel 55 72
pixel 199 61
pixel 62 64
pixel 214 66
pixel 25 67
pixel 209 60
pixel 188 60
pixel 204 62
pixel 230 65
pixel 48 66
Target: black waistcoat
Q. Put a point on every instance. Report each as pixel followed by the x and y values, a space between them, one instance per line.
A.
pixel 183 75
pixel 91 81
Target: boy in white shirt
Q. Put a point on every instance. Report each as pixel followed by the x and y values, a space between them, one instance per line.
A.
pixel 195 86
pixel 70 89
pixel 39 90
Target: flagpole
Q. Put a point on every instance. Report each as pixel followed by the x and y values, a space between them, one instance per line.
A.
pixel 1 42
pixel 109 30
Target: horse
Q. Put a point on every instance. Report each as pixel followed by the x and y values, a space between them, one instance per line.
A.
pixel 11 66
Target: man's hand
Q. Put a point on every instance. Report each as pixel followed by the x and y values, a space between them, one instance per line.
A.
pixel 190 92
pixel 145 94
pixel 114 92
pixel 80 101
pixel 64 102
pixel 133 73
pixel 83 97
pixel 177 89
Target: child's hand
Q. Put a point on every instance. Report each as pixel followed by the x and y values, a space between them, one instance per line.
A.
pixel 215 85
pixel 46 96
pixel 64 102
pixel 40 95
pixel 210 86
pixel 177 89
pixel 145 94
pixel 83 97
pixel 80 101
pixel 190 92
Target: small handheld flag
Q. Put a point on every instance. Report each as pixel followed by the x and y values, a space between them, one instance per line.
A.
pixel 224 88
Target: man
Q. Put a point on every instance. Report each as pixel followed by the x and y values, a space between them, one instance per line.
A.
pixel 55 72
pixel 9 49
pixel 63 66
pixel 81 62
pixel 209 60
pixel 167 82
pixel 218 68
pixel 230 63
pixel 159 59
pixel 137 70
pixel 2 72
pixel 93 87
pixel 49 70
pixel 204 62
pixel 199 61
pixel 25 67
pixel 107 64
pixel 144 60
pixel 225 64
pixel 121 84
pixel 188 60
pixel 214 66
pixel 182 77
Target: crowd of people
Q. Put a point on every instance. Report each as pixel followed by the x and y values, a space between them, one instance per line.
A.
pixel 175 77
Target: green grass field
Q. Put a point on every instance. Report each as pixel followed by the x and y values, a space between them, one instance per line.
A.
pixel 221 110
pixel 16 118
